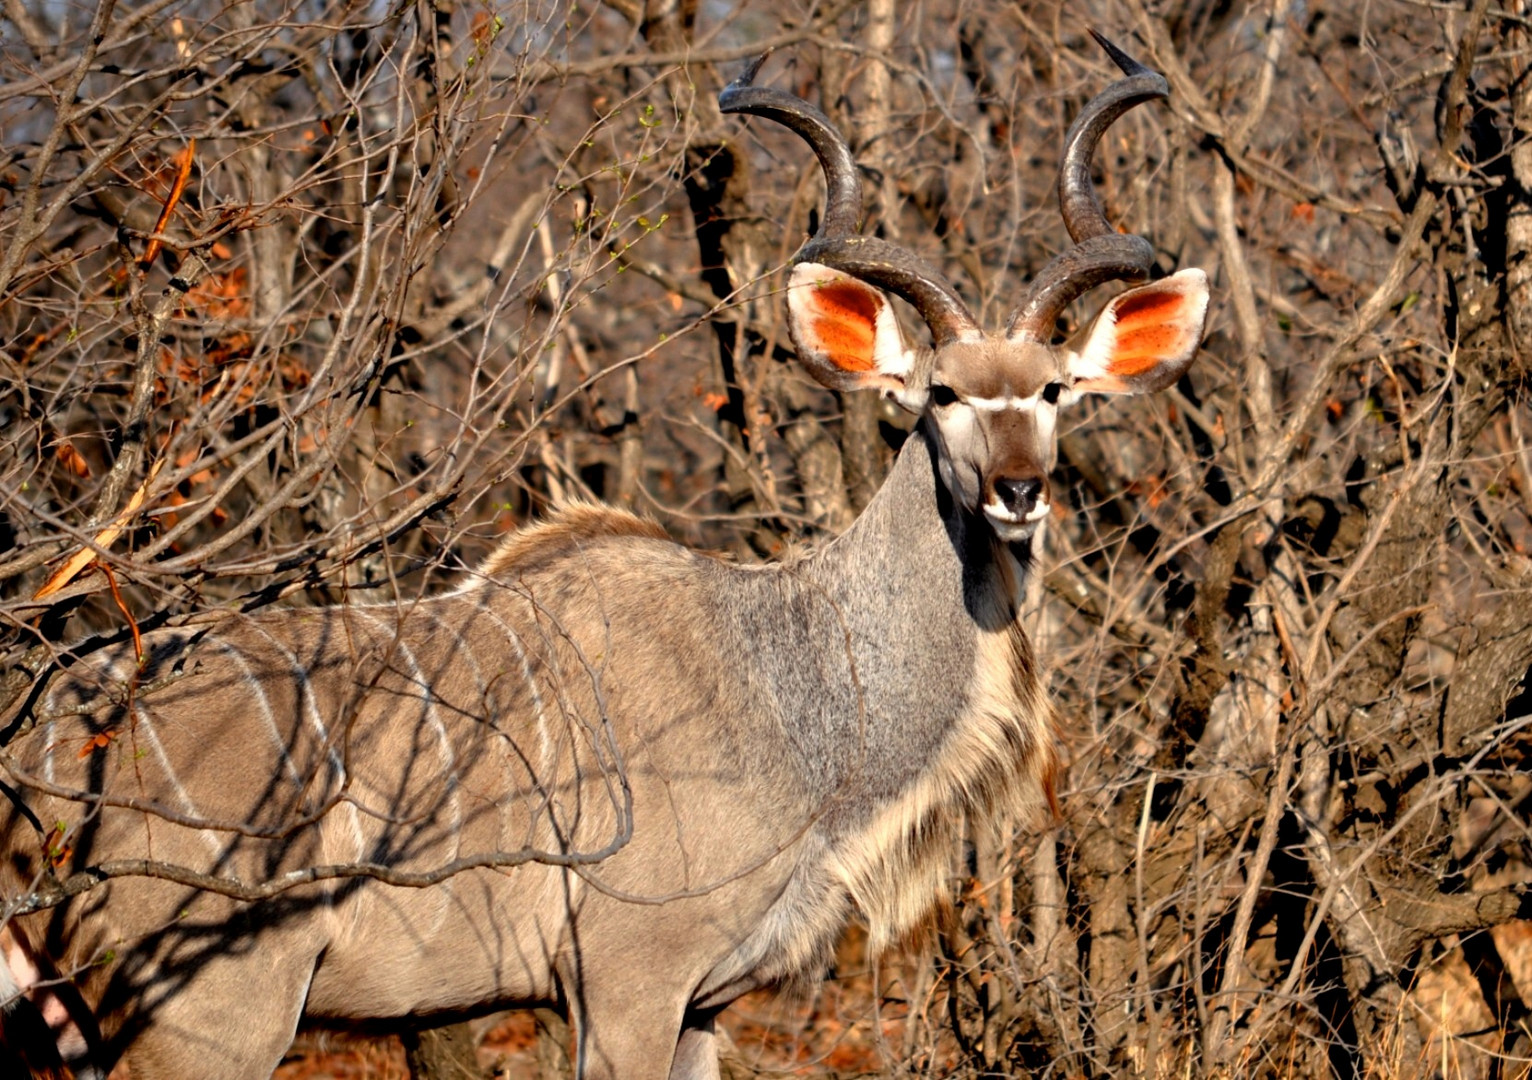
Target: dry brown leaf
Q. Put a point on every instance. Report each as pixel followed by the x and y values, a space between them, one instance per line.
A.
pixel 104 539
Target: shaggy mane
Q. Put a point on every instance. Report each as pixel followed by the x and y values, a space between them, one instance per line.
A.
pixel 570 523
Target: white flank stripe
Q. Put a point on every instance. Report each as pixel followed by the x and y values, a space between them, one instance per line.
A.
pixel 444 741
pixel 504 810
pixel 143 728
pixel 311 709
pixel 306 700
pixel 48 749
pixel 544 739
pixel 464 651
pixel 395 637
pixel 259 692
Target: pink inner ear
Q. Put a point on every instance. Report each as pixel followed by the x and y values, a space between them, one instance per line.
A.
pixel 1147 330
pixel 845 323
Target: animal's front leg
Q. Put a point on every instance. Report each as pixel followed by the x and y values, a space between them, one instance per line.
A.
pixel 696 1051
pixel 625 1031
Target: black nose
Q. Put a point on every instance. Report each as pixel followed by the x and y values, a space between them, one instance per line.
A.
pixel 1019 495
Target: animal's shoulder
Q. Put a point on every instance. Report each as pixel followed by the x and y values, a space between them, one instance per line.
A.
pixel 570 529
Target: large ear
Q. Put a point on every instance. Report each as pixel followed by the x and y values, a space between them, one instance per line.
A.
pixel 1144 339
pixel 845 331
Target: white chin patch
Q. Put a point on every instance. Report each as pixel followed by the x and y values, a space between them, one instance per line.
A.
pixel 1012 534
pixel 1012 527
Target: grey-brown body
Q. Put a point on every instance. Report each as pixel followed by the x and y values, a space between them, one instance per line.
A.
pixel 706 769
pixel 800 742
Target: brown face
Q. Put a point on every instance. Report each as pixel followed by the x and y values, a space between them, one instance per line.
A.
pixel 992 402
pixel 993 405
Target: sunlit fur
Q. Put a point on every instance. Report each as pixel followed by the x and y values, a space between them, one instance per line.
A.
pixel 738 760
pixel 802 742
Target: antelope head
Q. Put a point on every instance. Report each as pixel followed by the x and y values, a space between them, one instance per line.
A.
pixel 990 400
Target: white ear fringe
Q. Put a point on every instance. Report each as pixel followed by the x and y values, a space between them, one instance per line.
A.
pixel 1093 363
pixel 890 358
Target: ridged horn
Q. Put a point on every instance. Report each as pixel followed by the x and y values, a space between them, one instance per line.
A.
pixel 1100 254
pixel 837 244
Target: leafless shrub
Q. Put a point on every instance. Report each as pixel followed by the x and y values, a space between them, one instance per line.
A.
pixel 297 302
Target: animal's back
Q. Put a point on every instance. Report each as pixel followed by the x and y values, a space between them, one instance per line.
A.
pixel 490 721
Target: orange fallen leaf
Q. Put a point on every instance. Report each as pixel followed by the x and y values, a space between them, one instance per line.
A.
pixel 58 851
pixel 99 741
pixel 104 539
pixel 71 459
pixel 183 172
pixel 481 29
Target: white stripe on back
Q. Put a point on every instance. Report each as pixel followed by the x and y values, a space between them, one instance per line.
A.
pixel 144 727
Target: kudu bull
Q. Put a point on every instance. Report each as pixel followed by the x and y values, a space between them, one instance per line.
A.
pixel 707 769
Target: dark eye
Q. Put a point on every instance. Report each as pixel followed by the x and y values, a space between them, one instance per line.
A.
pixel 943 395
pixel 1052 391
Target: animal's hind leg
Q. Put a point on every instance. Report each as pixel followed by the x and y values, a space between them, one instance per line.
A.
pixel 233 1019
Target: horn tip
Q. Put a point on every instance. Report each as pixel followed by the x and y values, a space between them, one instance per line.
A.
pixel 1128 65
pixel 747 77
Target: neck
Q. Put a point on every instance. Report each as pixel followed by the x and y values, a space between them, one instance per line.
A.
pixel 906 690
pixel 921 554
pixel 915 592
